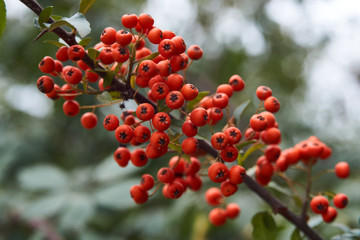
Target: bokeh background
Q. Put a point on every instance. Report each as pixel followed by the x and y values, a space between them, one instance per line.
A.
pixel 59 181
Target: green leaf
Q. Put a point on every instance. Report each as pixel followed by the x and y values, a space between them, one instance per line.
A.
pixel 85 41
pixel 42 177
pixel 85 5
pixel 244 144
pixel 104 97
pixel 93 54
pixel 192 103
pixel 264 226
pixel 250 150
pixel 2 16
pixel 78 22
pixel 239 110
pixel 108 78
pixel 45 15
pixel 296 235
pixel 150 57
pixel 56 43
pixel 56 17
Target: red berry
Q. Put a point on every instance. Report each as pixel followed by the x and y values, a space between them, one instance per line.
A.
pixel 120 54
pixel 258 122
pixel 175 82
pixel 220 100
pixel 174 100
pixel 232 210
pixel 218 172
pixel 61 54
pixel 159 90
pixel 108 36
pixel 194 52
pixel 122 156
pixel 219 140
pixel 199 117
pixel 148 68
pixel 237 174
pixel 76 52
pixel 106 56
pixel 263 92
pixel 213 196
pixel 139 158
pixel 159 140
pixel 233 134
pixel 73 75
pixel 161 121
pixel 124 133
pixel 175 189
pixel 190 145
pixel 142 134
pixel 71 108
pixel 319 204
pixel 155 35
pixel 165 175
pixel 228 188
pixel 342 170
pixel 45 84
pixel 225 88
pixel 217 216
pixel 229 153
pixel 189 91
pixel 166 48
pixel 145 111
pixel 147 182
pixel 271 104
pixel 236 82
pixel 129 20
pixel 329 215
pixel 145 20
pixel 139 194
pixel 88 120
pixel 47 65
pixel 189 129
pixel 340 200
pixel 123 37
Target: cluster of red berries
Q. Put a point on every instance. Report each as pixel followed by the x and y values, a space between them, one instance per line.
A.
pixel 320 205
pixel 163 74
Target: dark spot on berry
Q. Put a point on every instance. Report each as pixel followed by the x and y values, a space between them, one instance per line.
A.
pixel 162 119
pixel 234 82
pixel 220 174
pixel 42 63
pixel 123 135
pixel 163 172
pixel 118 156
pixel 144 136
pixel 220 140
pixel 76 49
pixel 107 120
pixel 161 141
pixel 160 90
pixel 145 68
pixel 233 133
pixel 143 110
pixel 229 154
pixel 174 97
pixel 167 47
pixel 70 72
pixel 142 157
pixel 122 51
pixel 217 110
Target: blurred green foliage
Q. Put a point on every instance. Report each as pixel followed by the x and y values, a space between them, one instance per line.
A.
pixel 58 179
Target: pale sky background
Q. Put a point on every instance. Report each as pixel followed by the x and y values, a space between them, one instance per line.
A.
pixel 330 78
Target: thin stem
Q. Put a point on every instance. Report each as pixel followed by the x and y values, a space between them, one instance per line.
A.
pixel 101 105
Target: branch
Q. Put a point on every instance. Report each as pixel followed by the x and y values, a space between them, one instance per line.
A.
pixel 128 92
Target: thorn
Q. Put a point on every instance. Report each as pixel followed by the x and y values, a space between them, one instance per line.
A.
pixel 40 35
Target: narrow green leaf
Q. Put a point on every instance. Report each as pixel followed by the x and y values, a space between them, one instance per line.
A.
pixel 150 57
pixel 200 96
pixel 239 110
pixel 2 16
pixel 244 144
pixel 78 22
pixel 85 5
pixel 296 235
pixel 108 78
pixel 45 15
pixel 56 17
pixel 85 41
pixel 93 54
pixel 250 150
pixel 56 43
pixel 264 226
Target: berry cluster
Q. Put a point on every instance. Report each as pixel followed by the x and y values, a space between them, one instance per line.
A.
pixel 320 205
pixel 151 128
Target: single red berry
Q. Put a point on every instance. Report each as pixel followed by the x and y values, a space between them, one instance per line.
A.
pixel 218 172
pixel 236 82
pixel 145 20
pixel 166 48
pixel 221 100
pixel 251 134
pixel 138 194
pixel 45 84
pixel 82 65
pixel 232 210
pixel 271 136
pixel 89 120
pixel 219 140
pixel 194 52
pixel 270 118
pixel 73 75
pixel 161 121
pixel 123 37
pixel 292 155
pixel 281 164
pixel 272 152
pixel 168 34
pixel 177 62
pixel 76 52
pixel 129 20
pixel 215 115
pixel 229 153
pixel 175 82
pixel 194 182
pixel 217 216
pixel 177 164
pixel 91 76
pixel 145 111
pixel 228 188
pixel 165 175
pixel 271 104
pixel 61 54
pixel 108 36
pixel 159 140
pixel 139 158
pixel 190 145
pixel 106 56
pixel 120 54
pixel 199 117
pixel 189 91
pixel 342 170
pixel 174 100
pixel 142 82
pixel 213 196
pixel 329 215
pixel 340 200
pixel 237 174
pixel 319 204
pixel 263 92
pixel 233 134
pixel 68 90
pixel 155 35
pixel 142 134
pixel 164 68
pixel 175 189
pixel 71 108
pixel 124 133
pixel 47 65
pixel 122 156
pixel 154 80
pixel 147 182
pixel 189 129
pixel 258 122
pixel 148 68
pixel 159 90
pixel 225 88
